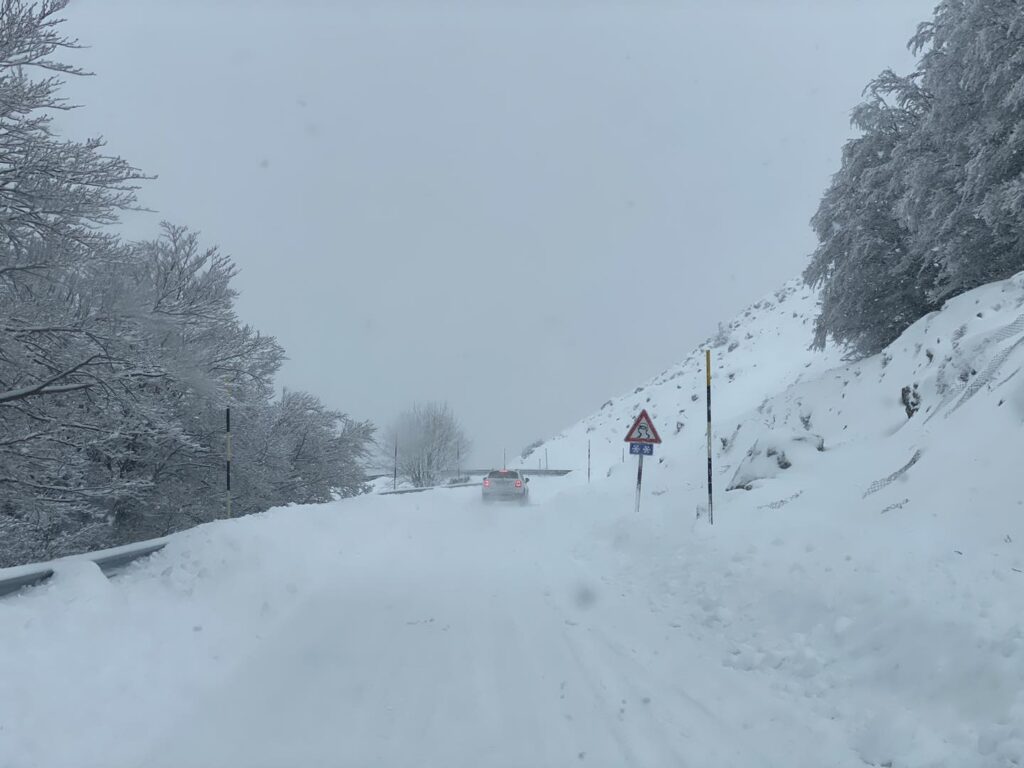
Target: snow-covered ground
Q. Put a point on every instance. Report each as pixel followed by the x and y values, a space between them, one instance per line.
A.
pixel 859 600
pixel 867 561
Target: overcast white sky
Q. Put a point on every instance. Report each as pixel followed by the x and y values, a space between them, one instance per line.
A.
pixel 523 208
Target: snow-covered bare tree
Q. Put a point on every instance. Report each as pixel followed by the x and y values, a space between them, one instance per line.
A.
pixel 139 451
pixel 57 360
pixel 181 302
pixel 320 451
pixel 429 440
pixel 117 360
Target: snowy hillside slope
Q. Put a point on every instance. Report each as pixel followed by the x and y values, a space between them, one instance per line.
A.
pixel 763 350
pixel 873 555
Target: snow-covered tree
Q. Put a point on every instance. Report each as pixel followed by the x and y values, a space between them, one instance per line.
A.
pixel 57 357
pixel 319 451
pixel 969 189
pixel 429 439
pixel 138 449
pixel 928 202
pixel 866 263
pixel 117 360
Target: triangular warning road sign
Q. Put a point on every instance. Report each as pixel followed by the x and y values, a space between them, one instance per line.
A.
pixel 643 430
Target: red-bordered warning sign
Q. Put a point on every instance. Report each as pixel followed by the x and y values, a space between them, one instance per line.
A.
pixel 643 430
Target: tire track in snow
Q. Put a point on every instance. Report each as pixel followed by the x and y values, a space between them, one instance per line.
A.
pixel 961 391
pixel 1007 331
pixel 985 377
pixel 642 739
pixel 878 485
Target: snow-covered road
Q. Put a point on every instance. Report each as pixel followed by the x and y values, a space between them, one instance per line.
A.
pixel 426 631
pixel 475 639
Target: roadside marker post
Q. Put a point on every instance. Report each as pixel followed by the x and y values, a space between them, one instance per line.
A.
pixel 711 504
pixel 227 454
pixel 642 437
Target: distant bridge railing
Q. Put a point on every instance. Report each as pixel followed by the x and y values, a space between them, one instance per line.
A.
pixel 481 472
pixel 470 473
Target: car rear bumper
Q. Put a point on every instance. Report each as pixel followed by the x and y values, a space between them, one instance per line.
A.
pixel 503 495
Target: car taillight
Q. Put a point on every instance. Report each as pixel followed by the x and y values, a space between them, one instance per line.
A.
pixel 519 483
pixel 487 483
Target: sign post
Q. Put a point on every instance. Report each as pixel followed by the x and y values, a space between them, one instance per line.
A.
pixel 642 437
pixel 639 480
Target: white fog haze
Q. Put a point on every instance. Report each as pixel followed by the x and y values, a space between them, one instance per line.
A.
pixel 517 208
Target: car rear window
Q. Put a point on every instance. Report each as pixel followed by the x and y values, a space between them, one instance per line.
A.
pixel 504 473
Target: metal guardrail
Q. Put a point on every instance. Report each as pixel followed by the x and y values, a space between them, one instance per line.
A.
pixel 108 561
pixel 524 470
pixel 30 579
pixel 111 563
pixel 428 488
pixel 470 472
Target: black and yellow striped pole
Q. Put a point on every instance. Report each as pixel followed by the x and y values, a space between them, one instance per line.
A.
pixel 711 505
pixel 227 453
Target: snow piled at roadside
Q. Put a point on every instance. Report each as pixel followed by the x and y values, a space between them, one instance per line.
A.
pixel 866 561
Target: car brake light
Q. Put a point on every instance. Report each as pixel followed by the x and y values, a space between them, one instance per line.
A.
pixel 519 483
pixel 487 483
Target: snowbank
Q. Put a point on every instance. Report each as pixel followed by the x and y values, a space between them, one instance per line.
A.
pixel 870 555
